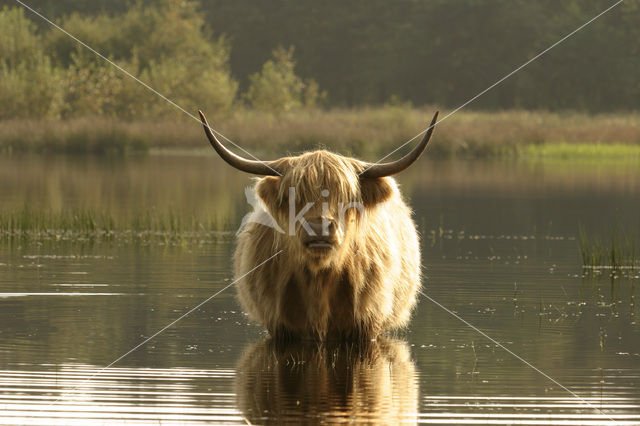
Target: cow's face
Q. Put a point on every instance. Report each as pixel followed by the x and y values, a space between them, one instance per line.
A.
pixel 321 204
pixel 330 196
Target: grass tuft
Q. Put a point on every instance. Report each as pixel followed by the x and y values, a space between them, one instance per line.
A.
pixel 620 252
pixel 87 224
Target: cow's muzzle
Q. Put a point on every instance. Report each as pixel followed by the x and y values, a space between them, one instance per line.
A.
pixel 325 235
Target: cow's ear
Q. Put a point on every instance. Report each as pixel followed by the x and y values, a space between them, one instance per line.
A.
pixel 375 190
pixel 268 191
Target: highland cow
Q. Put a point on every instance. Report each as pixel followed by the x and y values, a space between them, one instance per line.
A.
pixel 349 262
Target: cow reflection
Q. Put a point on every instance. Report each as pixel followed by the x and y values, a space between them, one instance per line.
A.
pixel 307 382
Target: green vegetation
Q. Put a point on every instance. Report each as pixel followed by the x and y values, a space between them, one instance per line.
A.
pixel 79 224
pixel 582 150
pixel 620 252
pixel 56 96
pixel 277 88
pixel 427 52
pixel 74 136
pixel 364 132
pixel 46 74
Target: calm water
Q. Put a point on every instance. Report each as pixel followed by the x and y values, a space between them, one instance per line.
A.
pixel 500 251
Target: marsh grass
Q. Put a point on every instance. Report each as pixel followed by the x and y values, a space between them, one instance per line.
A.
pixel 165 227
pixel 80 136
pixel 364 132
pixel 581 150
pixel 619 252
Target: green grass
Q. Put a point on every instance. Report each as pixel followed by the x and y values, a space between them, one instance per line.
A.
pixel 619 252
pixel 363 132
pixel 581 151
pixel 165 227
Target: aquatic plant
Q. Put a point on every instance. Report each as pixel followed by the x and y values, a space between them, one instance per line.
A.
pixel 168 227
pixel 618 253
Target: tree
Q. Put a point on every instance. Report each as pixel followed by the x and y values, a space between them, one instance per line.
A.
pixel 29 84
pixel 277 88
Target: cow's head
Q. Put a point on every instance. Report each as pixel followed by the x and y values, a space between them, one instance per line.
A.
pixel 319 198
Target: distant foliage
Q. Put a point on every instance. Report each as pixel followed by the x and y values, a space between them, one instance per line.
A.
pixel 444 52
pixel 434 52
pixel 29 90
pixel 29 84
pixel 90 88
pixel 167 46
pixel 277 88
pixel 19 43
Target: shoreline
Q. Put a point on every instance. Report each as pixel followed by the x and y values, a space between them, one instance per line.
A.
pixel 363 133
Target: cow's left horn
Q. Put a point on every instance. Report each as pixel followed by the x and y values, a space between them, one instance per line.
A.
pixel 265 168
pixel 388 169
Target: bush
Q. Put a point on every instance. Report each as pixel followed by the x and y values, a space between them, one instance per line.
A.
pixel 19 42
pixel 166 46
pixel 277 88
pixel 192 82
pixel 93 88
pixel 29 84
pixel 29 90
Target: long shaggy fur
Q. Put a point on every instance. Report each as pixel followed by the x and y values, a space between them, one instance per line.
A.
pixel 365 285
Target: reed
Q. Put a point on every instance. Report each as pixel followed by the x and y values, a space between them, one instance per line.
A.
pixel 620 252
pixel 79 136
pixel 168 227
pixel 365 132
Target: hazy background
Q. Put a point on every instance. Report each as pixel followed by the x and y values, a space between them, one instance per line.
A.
pixel 370 52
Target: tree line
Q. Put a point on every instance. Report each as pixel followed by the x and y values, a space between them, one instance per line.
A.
pixel 365 52
pixel 45 73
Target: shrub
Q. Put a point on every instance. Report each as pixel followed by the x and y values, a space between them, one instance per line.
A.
pixel 93 88
pixel 19 42
pixel 277 88
pixel 166 46
pixel 29 84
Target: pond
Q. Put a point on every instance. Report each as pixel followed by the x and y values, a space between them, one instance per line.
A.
pixel 511 328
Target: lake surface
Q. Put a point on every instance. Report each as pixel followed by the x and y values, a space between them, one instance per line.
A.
pixel 500 252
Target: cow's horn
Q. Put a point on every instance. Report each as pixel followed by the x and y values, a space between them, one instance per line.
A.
pixel 388 169
pixel 265 168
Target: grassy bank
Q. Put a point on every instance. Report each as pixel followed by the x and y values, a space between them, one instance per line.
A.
pixel 366 132
pixel 565 150
pixel 78 136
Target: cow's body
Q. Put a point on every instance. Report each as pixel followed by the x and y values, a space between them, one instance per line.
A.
pixel 370 285
pixel 331 250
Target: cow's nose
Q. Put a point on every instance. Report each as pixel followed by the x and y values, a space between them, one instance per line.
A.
pixel 320 227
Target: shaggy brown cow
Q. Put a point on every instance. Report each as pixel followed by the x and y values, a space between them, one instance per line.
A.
pixel 350 257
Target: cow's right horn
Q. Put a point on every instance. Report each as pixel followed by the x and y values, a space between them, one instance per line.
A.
pixel 377 170
pixel 265 168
